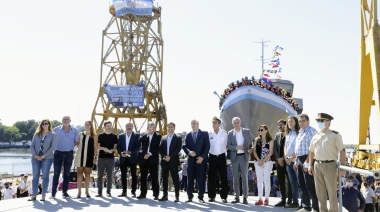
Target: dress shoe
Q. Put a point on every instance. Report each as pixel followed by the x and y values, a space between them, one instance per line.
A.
pixel 156 198
pixel 201 200
pixel 66 196
pixel 176 199
pixel 292 205
pixel 236 200
pixel 98 195
pixel 141 197
pixel 280 204
pixel 245 201
pixel 224 200
pixel 109 194
pixel 211 200
pixel 164 198
pixel 189 200
pixel 134 195
pixel 122 195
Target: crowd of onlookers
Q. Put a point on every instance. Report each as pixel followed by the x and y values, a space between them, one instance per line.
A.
pixel 286 95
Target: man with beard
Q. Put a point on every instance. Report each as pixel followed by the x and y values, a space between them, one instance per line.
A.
pixel 282 174
pixel 128 147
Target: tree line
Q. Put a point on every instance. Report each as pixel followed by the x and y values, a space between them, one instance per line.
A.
pixel 24 130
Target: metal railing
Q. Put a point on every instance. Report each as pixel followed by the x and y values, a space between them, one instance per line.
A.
pixel 375 174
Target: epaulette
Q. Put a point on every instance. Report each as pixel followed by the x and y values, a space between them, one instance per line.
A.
pixel 336 132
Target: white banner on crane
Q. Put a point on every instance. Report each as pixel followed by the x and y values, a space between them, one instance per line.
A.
pixel 135 7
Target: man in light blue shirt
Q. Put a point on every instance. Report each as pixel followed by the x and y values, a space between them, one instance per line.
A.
pixel 67 138
pixel 305 180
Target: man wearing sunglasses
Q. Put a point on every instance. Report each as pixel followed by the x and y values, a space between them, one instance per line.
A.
pixel 325 147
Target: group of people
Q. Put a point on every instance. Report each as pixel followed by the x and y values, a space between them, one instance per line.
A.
pixel 286 95
pixel 304 158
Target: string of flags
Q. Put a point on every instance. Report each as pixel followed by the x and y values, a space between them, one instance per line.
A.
pixel 273 70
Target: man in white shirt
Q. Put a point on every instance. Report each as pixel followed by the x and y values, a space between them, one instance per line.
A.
pixel 9 192
pixel 217 161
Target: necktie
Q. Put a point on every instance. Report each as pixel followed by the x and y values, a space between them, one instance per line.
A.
pixel 195 137
pixel 150 140
pixel 168 144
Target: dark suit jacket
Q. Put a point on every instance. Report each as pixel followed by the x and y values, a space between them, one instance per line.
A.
pixel 133 147
pixel 231 143
pixel 201 147
pixel 175 148
pixel 277 146
pixel 153 148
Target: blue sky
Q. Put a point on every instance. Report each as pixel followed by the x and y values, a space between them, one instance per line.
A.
pixel 50 53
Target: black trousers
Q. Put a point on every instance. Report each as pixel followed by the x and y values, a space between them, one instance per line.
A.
pixel 124 168
pixel 369 207
pixel 307 185
pixel 153 170
pixel 173 168
pixel 217 165
pixel 285 188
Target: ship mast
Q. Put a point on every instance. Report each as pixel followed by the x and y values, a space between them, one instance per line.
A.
pixel 263 44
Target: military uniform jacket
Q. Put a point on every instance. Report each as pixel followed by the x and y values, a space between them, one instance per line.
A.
pixel 326 146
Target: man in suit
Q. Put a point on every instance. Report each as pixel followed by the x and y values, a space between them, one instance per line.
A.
pixel 282 174
pixel 238 142
pixel 148 160
pixel 197 147
pixel 128 147
pixel 169 149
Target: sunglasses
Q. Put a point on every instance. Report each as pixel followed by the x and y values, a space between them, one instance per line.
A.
pixel 261 130
pixel 45 123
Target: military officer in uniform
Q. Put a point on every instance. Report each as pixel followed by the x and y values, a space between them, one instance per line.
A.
pixel 217 161
pixel 325 147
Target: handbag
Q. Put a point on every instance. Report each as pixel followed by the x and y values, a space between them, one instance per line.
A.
pixel 73 175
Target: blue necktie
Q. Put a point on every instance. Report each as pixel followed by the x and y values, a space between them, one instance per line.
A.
pixel 195 137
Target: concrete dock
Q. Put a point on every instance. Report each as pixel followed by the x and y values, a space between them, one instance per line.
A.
pixel 115 203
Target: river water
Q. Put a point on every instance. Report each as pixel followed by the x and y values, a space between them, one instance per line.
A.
pixel 19 163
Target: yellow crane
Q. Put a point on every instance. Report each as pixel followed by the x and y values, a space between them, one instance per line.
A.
pixel 369 85
pixel 132 55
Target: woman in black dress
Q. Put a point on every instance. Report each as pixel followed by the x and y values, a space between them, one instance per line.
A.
pixel 86 156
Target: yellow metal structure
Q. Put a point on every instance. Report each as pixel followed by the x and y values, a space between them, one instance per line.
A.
pixel 132 50
pixel 369 84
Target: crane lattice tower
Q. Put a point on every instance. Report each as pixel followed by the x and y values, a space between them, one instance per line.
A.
pixel 132 51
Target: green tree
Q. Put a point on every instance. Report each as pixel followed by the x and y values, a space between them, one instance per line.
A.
pixel 26 128
pixel 55 123
pixel 10 134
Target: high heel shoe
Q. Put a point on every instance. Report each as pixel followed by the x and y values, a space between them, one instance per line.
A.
pixel 78 196
pixel 88 195
pixel 42 197
pixel 32 198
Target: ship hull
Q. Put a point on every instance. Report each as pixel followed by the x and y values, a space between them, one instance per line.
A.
pixel 255 106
